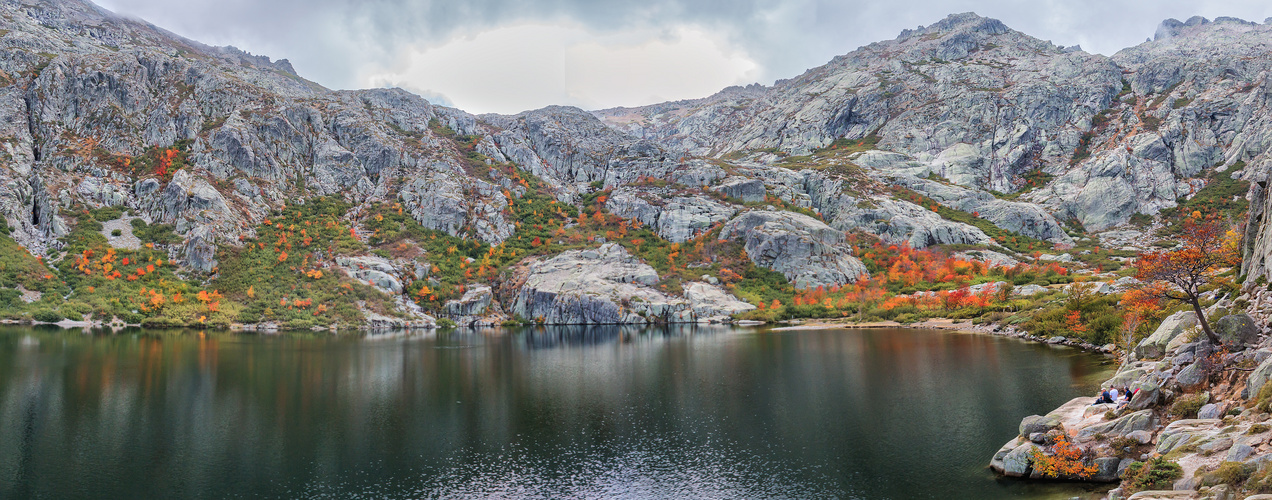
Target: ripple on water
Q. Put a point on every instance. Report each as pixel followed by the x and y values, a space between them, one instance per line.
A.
pixel 651 468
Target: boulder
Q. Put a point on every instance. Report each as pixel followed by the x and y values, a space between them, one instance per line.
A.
pixel 372 270
pixel 1148 395
pixel 200 252
pixel 605 285
pixel 1128 375
pixel 1038 423
pixel 1192 375
pixel 1106 469
pixel 804 249
pixel 1155 345
pixel 1064 257
pixel 1258 378
pixel 1017 462
pixel 1215 445
pixel 1185 432
pixel 1141 437
pixel 1210 410
pixel 475 302
pixel 996 463
pixel 1239 453
pixel 1139 421
pixel 1028 290
pixel 1237 329
pixel 1099 409
pixel 742 188
pixel 712 303
pixel 990 257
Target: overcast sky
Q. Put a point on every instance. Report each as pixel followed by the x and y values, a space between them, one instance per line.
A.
pixel 508 56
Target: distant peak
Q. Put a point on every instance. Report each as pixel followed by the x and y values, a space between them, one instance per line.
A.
pixel 264 61
pixel 967 21
pixel 1173 27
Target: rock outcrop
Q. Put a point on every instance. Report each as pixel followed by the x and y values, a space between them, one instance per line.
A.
pixel 1174 325
pixel 966 112
pixel 804 249
pixel 1176 412
pixel 676 218
pixel 608 285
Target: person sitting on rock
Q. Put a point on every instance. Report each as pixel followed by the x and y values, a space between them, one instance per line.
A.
pixel 1124 399
pixel 1104 398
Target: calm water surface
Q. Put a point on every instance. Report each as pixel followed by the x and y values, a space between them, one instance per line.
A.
pixel 568 412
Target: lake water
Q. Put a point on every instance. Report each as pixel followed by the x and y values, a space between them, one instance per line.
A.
pixel 600 412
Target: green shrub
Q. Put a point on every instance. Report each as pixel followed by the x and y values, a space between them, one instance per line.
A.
pixel 1263 401
pixel 1257 429
pixel 1260 481
pixel 445 324
pixel 116 232
pixel 159 234
pixel 47 316
pixel 1156 474
pixel 1233 473
pixel 9 297
pixel 1187 406
pixel 106 213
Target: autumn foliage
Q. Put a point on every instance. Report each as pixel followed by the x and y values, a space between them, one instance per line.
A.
pixel 1210 246
pixel 1065 461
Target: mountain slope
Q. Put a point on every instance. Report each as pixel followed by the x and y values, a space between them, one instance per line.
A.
pixel 123 139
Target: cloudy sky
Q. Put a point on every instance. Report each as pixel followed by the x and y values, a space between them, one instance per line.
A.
pixel 508 56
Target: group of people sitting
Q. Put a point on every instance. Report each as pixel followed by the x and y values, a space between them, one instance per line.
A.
pixel 1114 396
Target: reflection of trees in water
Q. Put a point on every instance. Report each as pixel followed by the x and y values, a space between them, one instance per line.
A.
pixel 141 412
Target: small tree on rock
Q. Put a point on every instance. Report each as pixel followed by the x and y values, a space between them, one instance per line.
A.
pixel 1209 246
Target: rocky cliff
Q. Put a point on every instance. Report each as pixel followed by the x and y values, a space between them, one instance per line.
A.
pixel 963 132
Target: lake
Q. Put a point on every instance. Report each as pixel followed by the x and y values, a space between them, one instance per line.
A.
pixel 563 412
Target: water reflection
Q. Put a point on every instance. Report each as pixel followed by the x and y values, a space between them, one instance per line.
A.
pixel 593 412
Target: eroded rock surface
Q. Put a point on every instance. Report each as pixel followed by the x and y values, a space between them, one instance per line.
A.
pixel 804 249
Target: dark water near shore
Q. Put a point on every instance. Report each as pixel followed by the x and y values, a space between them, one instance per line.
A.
pixel 567 412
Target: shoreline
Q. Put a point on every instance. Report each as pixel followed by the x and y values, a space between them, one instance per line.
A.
pixel 966 326
pixel 939 324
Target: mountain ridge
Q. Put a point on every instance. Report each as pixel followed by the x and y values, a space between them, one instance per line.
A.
pixel 961 135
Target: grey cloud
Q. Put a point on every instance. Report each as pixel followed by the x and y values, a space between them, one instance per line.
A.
pixel 328 40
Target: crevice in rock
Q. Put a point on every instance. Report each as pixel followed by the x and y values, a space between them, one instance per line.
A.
pixel 30 115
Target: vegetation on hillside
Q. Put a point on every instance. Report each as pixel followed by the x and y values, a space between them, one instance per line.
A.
pixel 286 274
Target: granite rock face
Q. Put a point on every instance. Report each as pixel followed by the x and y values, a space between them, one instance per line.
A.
pixel 375 271
pixel 608 285
pixel 804 249
pixel 1174 325
pixel 966 113
pixel 674 217
pixel 953 80
pixel 711 303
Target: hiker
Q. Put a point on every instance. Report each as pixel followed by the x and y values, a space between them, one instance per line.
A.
pixel 1104 398
pixel 1125 399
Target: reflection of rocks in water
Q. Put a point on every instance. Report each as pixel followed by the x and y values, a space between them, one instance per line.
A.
pixel 584 335
pixel 579 335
